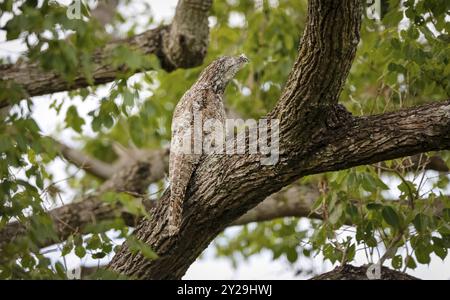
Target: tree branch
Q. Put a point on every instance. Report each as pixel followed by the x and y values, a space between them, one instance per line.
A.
pixel 293 201
pixel 85 162
pixel 376 138
pixel 183 44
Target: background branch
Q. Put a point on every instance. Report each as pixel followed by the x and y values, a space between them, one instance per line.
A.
pixel 85 162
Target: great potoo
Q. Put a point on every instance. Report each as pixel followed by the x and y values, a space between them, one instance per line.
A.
pixel 202 102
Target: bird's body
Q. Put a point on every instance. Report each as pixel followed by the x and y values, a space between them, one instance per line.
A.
pixel 202 102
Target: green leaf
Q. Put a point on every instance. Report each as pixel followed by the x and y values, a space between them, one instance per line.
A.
pixel 136 130
pixel 96 124
pixel 94 242
pixel 420 222
pixel 423 254
pixel 5 144
pixel 317 203
pixel 137 246
pixel 368 183
pixel 371 183
pixel 410 262
pixel 152 62
pixel 352 211
pixel 39 181
pixel 351 251
pixel 439 249
pixel 80 251
pixel 108 121
pixel 374 206
pixel 73 120
pixel 446 214
pixel 336 213
pixel 98 255
pixel 371 241
pixel 397 262
pixel 106 225
pixel 407 187
pixel 391 217
pixel 353 180
pixel 32 156
pixel 68 246
pixel 128 98
pixel 292 255
pixel 441 252
pixel 320 235
pixel 60 270
pixel 393 67
pixel 329 253
pixel 396 44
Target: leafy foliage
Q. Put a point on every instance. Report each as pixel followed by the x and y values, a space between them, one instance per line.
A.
pixel 403 60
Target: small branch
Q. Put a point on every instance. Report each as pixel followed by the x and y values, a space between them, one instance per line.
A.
pixel 85 162
pixel 293 201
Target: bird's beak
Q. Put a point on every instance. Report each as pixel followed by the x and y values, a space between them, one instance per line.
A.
pixel 244 58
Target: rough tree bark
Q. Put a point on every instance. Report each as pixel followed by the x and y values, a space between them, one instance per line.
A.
pixel 328 47
pixel 183 44
pixel 316 135
pixel 294 201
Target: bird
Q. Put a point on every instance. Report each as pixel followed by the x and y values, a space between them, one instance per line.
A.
pixel 203 101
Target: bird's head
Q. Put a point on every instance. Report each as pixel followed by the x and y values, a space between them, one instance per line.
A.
pixel 218 73
pixel 231 65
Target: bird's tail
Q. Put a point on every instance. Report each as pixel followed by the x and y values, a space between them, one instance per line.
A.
pixel 175 214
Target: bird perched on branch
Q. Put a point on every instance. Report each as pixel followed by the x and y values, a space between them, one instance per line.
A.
pixel 202 102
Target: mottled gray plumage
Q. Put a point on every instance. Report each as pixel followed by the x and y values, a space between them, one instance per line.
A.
pixel 204 98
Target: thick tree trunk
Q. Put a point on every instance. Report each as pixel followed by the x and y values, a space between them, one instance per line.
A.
pixel 224 188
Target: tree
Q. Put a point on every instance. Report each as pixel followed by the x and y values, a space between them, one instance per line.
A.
pixel 360 104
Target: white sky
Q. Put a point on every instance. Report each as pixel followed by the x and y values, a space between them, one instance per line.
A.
pixel 259 266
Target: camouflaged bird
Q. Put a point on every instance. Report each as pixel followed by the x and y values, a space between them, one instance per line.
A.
pixel 203 101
